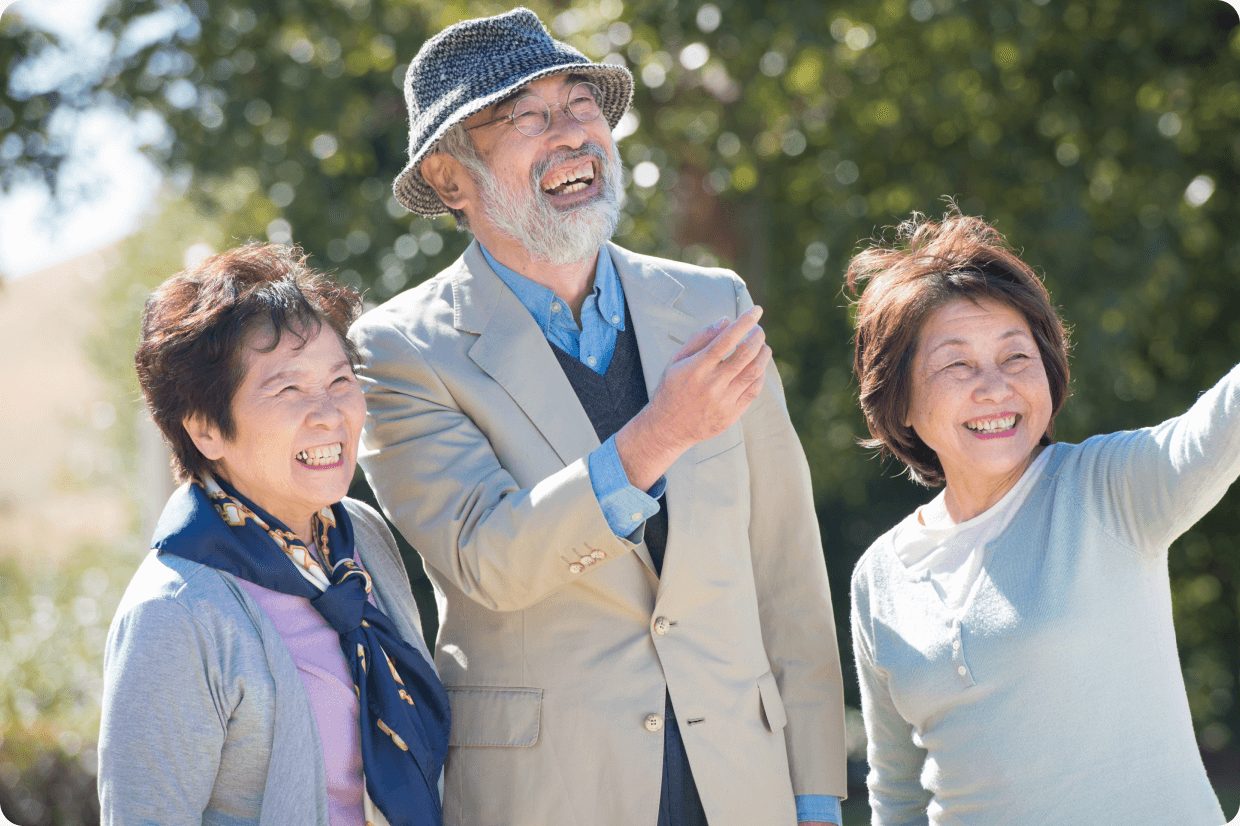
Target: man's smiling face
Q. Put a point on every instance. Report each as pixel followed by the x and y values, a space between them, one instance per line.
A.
pixel 556 194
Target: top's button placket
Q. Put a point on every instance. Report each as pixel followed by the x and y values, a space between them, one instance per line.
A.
pixel 963 673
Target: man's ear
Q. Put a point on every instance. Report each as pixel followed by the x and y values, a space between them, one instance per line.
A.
pixel 448 177
pixel 205 436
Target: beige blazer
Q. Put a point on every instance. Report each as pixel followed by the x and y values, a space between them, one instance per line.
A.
pixel 476 446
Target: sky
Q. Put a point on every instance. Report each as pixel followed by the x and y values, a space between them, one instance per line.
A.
pixel 115 184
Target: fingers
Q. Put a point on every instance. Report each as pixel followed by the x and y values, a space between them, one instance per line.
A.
pixel 744 354
pixel 732 335
pixel 747 383
pixel 700 339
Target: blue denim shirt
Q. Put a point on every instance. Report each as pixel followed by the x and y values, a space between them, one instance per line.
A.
pixel 625 507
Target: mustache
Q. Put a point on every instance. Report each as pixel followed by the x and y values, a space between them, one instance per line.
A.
pixel 589 149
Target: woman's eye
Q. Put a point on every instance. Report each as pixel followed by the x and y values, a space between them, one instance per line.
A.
pixel 285 391
pixel 1017 357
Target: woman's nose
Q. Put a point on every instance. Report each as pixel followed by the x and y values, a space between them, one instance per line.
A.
pixel 992 385
pixel 325 410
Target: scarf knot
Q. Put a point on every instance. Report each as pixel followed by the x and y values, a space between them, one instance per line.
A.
pixel 343 604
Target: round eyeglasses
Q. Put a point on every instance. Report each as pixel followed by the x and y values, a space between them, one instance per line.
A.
pixel 531 115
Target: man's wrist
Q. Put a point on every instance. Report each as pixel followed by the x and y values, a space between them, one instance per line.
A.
pixel 645 450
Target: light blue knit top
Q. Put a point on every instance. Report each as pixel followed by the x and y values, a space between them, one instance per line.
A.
pixel 1055 695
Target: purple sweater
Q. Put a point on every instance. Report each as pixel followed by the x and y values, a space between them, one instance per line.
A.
pixel 315 648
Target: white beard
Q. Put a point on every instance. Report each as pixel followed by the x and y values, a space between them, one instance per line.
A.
pixel 546 233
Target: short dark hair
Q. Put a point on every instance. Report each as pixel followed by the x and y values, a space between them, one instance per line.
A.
pixel 197 325
pixel 926 265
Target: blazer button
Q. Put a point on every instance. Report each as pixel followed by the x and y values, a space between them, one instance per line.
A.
pixel 598 555
pixel 654 722
pixel 662 626
pixel 576 567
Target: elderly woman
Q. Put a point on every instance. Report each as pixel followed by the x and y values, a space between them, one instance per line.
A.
pixel 1013 636
pixel 253 675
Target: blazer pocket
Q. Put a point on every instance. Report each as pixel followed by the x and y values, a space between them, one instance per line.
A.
pixel 494 716
pixel 772 703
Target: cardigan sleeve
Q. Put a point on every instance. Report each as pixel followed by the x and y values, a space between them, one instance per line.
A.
pixel 1153 484
pixel 382 560
pixel 164 719
pixel 897 797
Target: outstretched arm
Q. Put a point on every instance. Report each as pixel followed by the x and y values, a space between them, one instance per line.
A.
pixel 1151 485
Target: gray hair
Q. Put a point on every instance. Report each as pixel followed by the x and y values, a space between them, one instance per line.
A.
pixel 457 143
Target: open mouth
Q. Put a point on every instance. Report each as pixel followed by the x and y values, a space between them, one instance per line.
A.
pixel 987 425
pixel 321 456
pixel 569 179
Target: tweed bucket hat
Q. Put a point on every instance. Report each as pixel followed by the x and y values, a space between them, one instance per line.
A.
pixel 473 64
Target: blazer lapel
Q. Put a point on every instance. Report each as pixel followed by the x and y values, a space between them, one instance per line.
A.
pixel 513 351
pixel 662 327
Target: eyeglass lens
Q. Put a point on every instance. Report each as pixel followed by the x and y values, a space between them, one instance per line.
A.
pixel 531 115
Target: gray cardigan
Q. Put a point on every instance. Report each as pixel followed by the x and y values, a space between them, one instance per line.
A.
pixel 1055 694
pixel 205 719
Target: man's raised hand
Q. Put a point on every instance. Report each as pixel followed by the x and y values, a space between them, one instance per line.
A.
pixel 708 385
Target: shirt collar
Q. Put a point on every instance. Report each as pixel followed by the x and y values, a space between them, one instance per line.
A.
pixel 608 294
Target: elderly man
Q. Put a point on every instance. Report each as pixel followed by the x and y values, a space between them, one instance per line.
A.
pixel 606 489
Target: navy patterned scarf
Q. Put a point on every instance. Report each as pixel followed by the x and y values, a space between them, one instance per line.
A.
pixel 403 709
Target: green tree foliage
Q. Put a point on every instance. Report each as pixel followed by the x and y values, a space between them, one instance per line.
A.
pixel 1102 137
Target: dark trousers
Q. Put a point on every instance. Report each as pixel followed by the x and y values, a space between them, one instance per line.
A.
pixel 679 804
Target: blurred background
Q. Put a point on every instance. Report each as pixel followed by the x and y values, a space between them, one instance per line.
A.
pixel 1103 138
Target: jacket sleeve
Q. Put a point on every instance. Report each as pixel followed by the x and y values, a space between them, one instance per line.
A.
pixel 439 481
pixel 164 720
pixel 1153 484
pixel 897 797
pixel 794 598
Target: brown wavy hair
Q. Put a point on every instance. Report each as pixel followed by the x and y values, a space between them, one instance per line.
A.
pixel 897 283
pixel 198 324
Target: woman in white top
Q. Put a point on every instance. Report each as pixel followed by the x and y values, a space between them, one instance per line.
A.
pixel 1013 637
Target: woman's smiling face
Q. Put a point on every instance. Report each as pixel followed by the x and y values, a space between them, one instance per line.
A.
pixel 979 395
pixel 297 417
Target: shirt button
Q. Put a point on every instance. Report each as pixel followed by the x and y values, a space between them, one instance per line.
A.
pixel 635 516
pixel 654 722
pixel 615 319
pixel 591 360
pixel 962 671
pixel 555 307
pixel 955 645
pixel 576 567
pixel 661 626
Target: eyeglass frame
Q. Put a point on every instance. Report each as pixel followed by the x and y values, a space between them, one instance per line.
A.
pixel 595 93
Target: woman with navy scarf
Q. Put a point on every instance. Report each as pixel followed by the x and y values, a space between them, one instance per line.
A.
pixel 266 664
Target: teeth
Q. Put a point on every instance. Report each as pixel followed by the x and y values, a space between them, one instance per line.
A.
pixel 321 455
pixel 992 425
pixel 576 178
